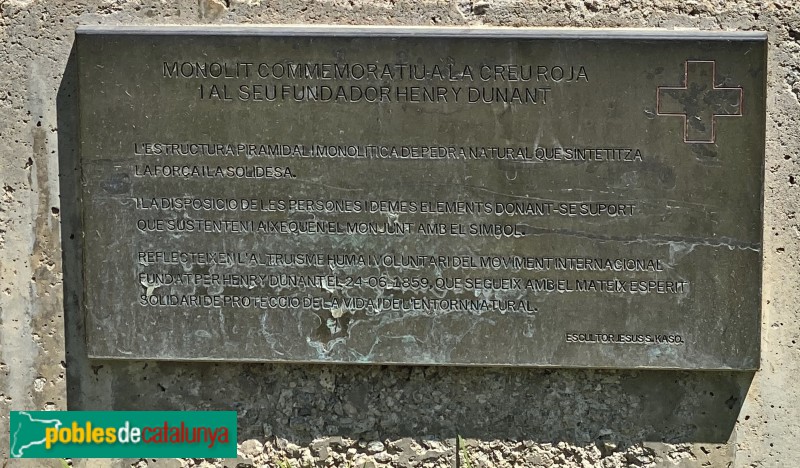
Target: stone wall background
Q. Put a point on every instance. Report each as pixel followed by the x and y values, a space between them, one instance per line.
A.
pixel 318 415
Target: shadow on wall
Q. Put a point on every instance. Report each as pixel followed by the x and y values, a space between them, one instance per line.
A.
pixel 302 402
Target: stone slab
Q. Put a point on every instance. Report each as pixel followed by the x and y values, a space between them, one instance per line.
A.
pixel 423 196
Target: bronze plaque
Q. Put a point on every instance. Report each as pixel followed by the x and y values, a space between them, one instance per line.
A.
pixel 423 196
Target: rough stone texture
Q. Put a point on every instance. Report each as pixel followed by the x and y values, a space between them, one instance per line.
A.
pixel 329 415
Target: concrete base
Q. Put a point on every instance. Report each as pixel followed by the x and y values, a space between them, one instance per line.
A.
pixel 372 416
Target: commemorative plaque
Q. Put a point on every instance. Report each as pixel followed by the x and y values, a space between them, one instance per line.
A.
pixel 423 196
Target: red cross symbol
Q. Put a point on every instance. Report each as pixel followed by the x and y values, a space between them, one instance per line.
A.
pixel 700 101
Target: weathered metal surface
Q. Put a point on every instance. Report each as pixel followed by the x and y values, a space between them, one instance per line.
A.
pixel 428 196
